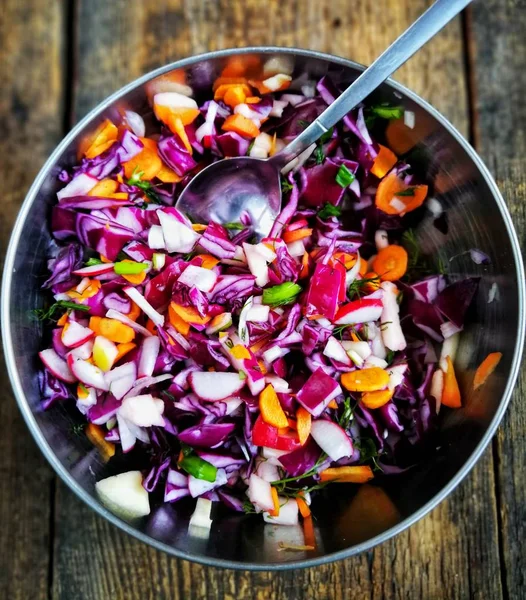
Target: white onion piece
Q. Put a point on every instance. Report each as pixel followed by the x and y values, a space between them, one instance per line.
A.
pixel 136 123
pixel 144 305
pixel 124 494
pixel 201 515
pixel 392 334
pixel 78 186
pixel 449 348
pixel 56 365
pixel 331 438
pixel 156 238
pixel 149 353
pixel 381 239
pixel 288 513
pixel 143 411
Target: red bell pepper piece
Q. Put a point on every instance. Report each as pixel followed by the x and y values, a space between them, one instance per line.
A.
pixel 267 435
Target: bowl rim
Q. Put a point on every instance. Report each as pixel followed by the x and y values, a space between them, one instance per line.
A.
pixel 90 500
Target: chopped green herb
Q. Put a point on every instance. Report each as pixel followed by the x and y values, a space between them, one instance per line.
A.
pixel 145 186
pixel 83 388
pixel 248 507
pixel 344 177
pixel 419 265
pixel 329 210
pixel 43 314
pixel 319 155
pixel 242 375
pixel 284 293
pixel 250 146
pixel 389 357
pixel 129 268
pixel 387 111
pixel 286 186
pixel 368 452
pixel 407 192
pixel 229 343
pixel 399 297
pixel 339 330
pixel 347 415
pixel 91 262
pixel 303 124
pixel 326 136
pixel 356 289
pixel 238 226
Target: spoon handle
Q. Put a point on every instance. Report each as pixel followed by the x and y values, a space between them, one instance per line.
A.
pixel 418 34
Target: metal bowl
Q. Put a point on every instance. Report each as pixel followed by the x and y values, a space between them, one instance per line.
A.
pixel 477 218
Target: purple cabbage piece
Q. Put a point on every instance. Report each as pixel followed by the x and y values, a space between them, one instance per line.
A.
pixel 106 408
pixel 229 500
pixel 103 236
pixel 390 417
pixel 287 268
pixel 301 460
pixel 67 259
pixel 232 287
pixel 288 212
pixel 51 389
pixel 206 435
pixel 427 290
pixel 156 472
pixel 215 240
pixel 232 144
pixel 427 318
pixel 320 185
pixel 454 301
pixel 175 155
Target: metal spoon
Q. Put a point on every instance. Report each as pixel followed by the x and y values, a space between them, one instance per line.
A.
pixel 226 189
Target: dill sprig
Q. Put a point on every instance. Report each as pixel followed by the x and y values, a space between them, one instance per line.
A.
pixel 418 264
pixel 45 314
pixel 357 287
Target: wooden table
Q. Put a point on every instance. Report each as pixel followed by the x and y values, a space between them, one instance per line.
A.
pixel 57 61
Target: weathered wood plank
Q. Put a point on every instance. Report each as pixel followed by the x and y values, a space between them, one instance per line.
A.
pixel 31 124
pixel 451 553
pixel 498 55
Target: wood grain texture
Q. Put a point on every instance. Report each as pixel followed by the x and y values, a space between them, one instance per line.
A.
pixel 453 552
pixel 31 119
pixel 499 84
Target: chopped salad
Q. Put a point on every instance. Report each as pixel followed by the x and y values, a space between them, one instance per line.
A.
pixel 243 372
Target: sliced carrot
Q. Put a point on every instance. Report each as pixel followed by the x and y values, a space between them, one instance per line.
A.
pixel 451 391
pixel 292 424
pixel 275 500
pixel 208 261
pixel 237 66
pixel 152 327
pixel 95 435
pixel 376 399
pixel 234 94
pixel 303 424
pixel 167 114
pixel 332 404
pixel 123 349
pixel 104 188
pixel 189 314
pixel 177 322
pixel 147 163
pixel 344 258
pixel 365 380
pixel 112 329
pixel 391 263
pixel 228 81
pixel 253 100
pixel 255 348
pixel 388 201
pixel 486 368
pixel 101 139
pixel 199 227
pixel 294 236
pixel 304 266
pixel 373 284
pixel 134 313
pixel 308 533
pixel 63 320
pixel 241 125
pixel 271 411
pixel 119 196
pixel 177 127
pixel 262 367
pixel 135 279
pixel 303 506
pixel 103 258
pixel 385 160
pixel 239 352
pixel 354 337
pixel 90 291
pixel 355 474
pixel 363 267
pixel 167 175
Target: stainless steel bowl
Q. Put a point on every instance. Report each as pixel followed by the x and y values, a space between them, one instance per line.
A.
pixel 477 218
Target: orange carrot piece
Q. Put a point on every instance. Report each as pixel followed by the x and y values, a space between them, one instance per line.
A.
pixel 167 175
pixel 391 263
pixel 332 404
pixel 178 324
pixel 112 329
pixel 189 314
pixel 101 139
pixel 177 127
pixel 303 424
pixel 235 94
pixel 355 474
pixel 123 349
pixel 166 114
pixel 298 234
pixel 451 391
pixel 237 66
pixel 95 435
pixel 365 380
pixel 304 507
pixel 385 160
pixel 270 408
pixel 308 533
pixel 363 267
pixel 208 261
pixel 304 266
pixel 388 189
pixel 486 368
pixel 134 313
pixel 344 258
pixel 372 286
pixel 262 367
pixel 228 81
pixel 241 125
pixel 275 500
pixel 152 327
pixel 136 279
pixel 292 424
pixel 104 188
pixel 147 162
pixel 253 100
pixel 199 227
pixel 63 320
pixel 90 291
pixel 239 352
pixel 376 399
pixel 258 345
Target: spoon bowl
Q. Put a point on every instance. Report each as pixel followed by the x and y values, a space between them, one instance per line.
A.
pixel 244 188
